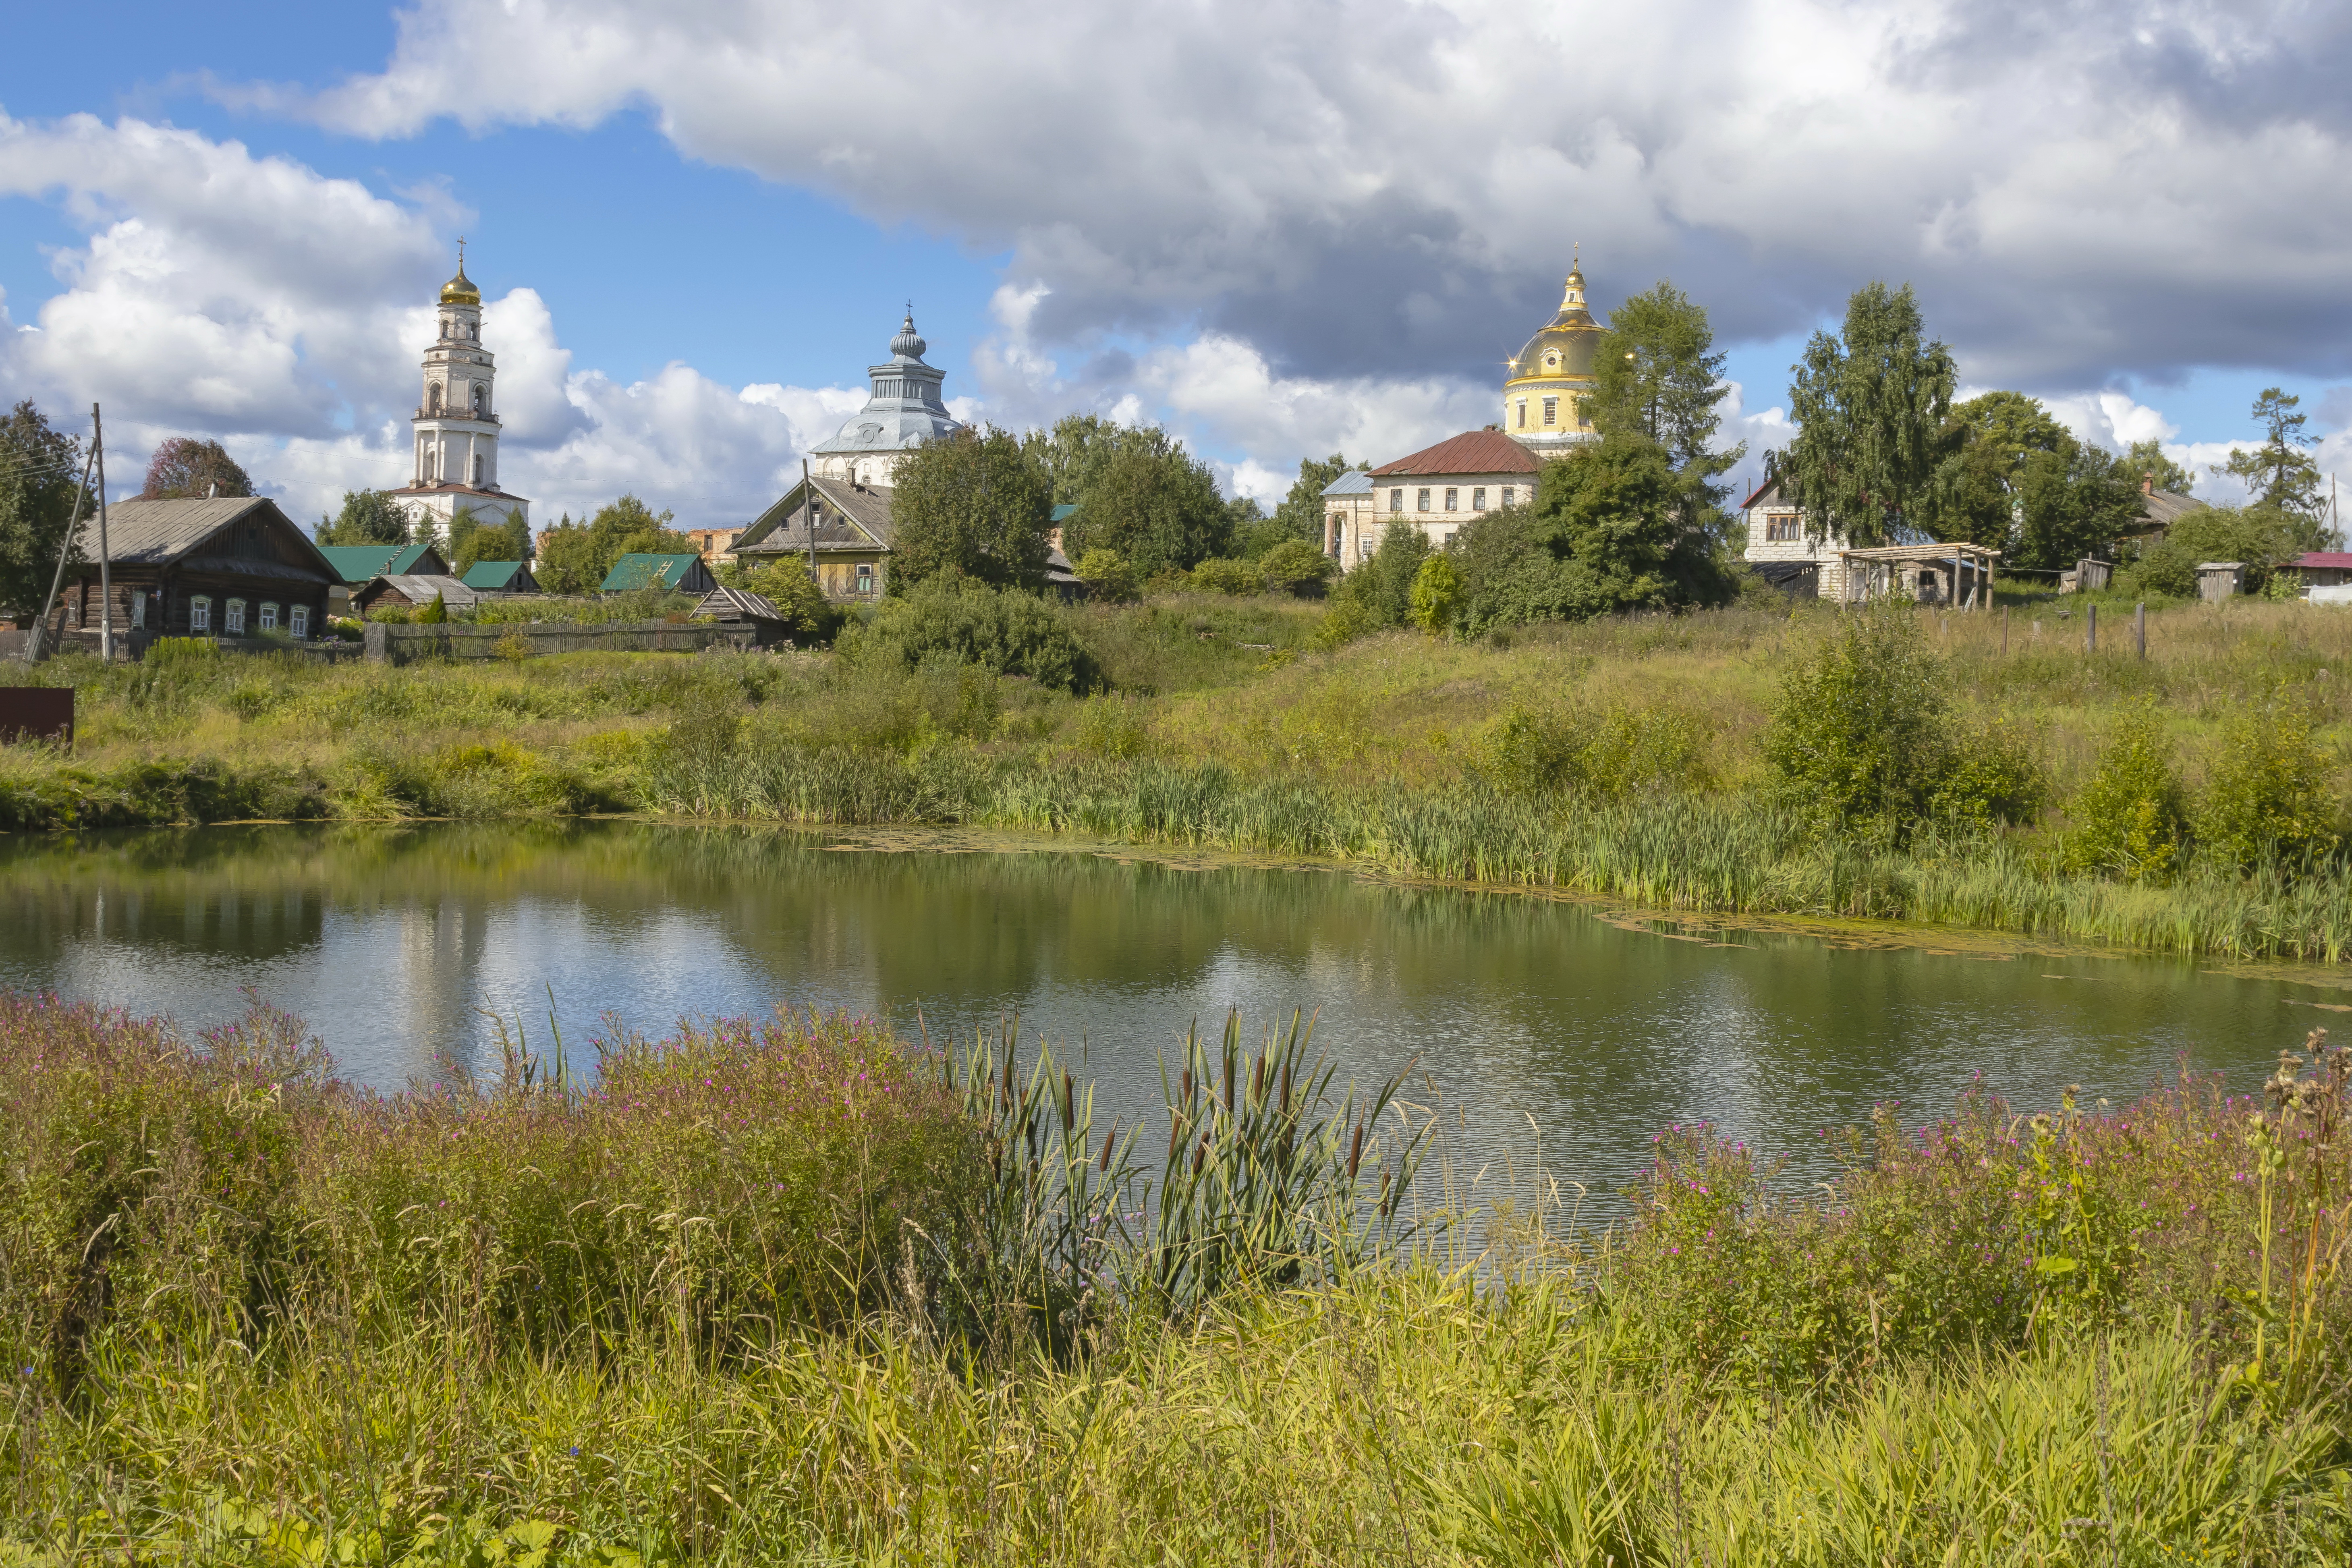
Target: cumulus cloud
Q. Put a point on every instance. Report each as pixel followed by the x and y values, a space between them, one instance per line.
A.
pixel 1387 189
pixel 252 299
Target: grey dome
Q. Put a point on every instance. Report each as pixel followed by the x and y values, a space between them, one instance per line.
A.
pixel 905 409
pixel 909 343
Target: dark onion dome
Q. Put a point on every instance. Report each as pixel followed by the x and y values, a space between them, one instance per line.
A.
pixel 909 343
pixel 460 290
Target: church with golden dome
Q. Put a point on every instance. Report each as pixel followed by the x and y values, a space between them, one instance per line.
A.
pixel 1441 488
pixel 1544 395
pixel 456 424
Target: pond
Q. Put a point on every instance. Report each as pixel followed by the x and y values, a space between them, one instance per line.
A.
pixel 1530 1017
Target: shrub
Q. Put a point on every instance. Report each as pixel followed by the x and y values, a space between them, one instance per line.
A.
pixel 1862 737
pixel 1436 595
pixel 1606 755
pixel 953 619
pixel 1108 578
pixel 1114 727
pixel 2131 820
pixel 810 616
pixel 2266 796
pixel 1220 574
pixel 1344 622
pixel 435 614
pixel 1381 588
pixel 1295 566
pixel 172 652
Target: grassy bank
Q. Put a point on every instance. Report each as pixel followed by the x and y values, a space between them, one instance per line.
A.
pixel 1227 728
pixel 801 1292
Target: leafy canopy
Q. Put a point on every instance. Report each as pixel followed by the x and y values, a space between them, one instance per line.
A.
pixel 185 468
pixel 1154 503
pixel 367 517
pixel 1657 376
pixel 1300 515
pixel 2145 460
pixel 576 557
pixel 950 618
pixel 975 504
pixel 41 472
pixel 474 540
pixel 1870 406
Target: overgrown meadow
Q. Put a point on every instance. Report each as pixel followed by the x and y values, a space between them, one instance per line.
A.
pixel 1983 770
pixel 801 1290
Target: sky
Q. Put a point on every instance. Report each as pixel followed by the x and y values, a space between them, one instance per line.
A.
pixel 1279 229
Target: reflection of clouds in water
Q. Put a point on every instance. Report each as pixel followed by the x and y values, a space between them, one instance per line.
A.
pixel 1518 1007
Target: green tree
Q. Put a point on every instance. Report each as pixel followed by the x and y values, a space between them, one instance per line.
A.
pixel 185 467
pixel 2130 821
pixel 367 517
pixel 1610 531
pixel 508 539
pixel 1990 440
pixel 2071 504
pixel 975 504
pixel 1871 407
pixel 1295 566
pixel 1657 376
pixel 1075 452
pixel 2261 539
pixel 2145 460
pixel 2279 473
pixel 1157 505
pixel 1378 592
pixel 578 557
pixel 1107 577
pixel 40 470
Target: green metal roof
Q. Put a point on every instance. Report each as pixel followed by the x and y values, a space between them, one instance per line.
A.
pixel 491 574
pixel 649 572
pixel 357 564
pixel 1062 514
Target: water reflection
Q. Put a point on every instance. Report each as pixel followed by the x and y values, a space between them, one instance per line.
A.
pixel 1529 1016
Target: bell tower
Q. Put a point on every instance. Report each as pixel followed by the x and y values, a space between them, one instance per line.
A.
pixel 457 421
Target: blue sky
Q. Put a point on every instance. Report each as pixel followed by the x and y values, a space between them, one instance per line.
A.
pixel 697 222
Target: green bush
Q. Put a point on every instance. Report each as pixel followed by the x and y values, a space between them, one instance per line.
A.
pixel 1117 727
pixel 1605 755
pixel 1381 588
pixel 435 614
pixel 2267 795
pixel 1295 566
pixel 1863 736
pixel 1108 578
pixel 2169 567
pixel 1219 575
pixel 952 619
pixel 2131 821
pixel 812 618
pixel 1436 595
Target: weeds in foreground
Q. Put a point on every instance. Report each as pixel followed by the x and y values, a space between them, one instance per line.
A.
pixel 549 1321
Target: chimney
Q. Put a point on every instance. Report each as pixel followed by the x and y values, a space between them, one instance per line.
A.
pixel 212 491
pixel 2147 484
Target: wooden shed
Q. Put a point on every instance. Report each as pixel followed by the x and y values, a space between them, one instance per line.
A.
pixel 679 573
pixel 1959 574
pixel 413 592
pixel 749 612
pixel 2218 580
pixel 501 577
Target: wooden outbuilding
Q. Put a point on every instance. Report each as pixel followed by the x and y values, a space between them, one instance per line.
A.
pixel 501 577
pixel 746 611
pixel 415 593
pixel 232 566
pixel 2218 580
pixel 360 564
pixel 679 573
pixel 851 542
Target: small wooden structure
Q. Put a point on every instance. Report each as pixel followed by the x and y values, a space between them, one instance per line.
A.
pixel 679 572
pixel 413 592
pixel 501 577
pixel 2219 580
pixel 2089 576
pixel 739 609
pixel 1957 574
pixel 2324 568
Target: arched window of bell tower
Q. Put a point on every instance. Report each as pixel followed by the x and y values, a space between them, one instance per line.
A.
pixel 432 398
pixel 481 400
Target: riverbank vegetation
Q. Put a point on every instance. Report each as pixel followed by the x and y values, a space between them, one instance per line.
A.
pixel 804 1292
pixel 1980 771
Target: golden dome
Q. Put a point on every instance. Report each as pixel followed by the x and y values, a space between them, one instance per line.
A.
pixel 460 290
pixel 1564 345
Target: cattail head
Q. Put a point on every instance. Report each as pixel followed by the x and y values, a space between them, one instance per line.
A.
pixel 1107 1139
pixel 1356 1149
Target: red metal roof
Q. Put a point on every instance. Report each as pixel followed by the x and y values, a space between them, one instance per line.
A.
pixel 1472 452
pixel 2327 560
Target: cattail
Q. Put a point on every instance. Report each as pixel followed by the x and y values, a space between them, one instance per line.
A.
pixel 1257 1081
pixel 1107 1142
pixel 1229 1079
pixel 1356 1151
pixel 1286 1083
pixel 1201 1154
pixel 1069 1100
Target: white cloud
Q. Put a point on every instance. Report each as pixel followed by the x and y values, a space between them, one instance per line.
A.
pixel 1386 189
pixel 252 299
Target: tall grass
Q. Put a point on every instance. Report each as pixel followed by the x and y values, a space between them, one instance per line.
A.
pixel 665 1317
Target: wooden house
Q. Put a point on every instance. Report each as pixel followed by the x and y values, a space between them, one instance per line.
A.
pixel 845 526
pixel 234 566
pixel 681 573
pixel 746 611
pixel 362 563
pixel 2324 568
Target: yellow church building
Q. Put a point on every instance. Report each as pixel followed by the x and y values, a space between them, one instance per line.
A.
pixel 1543 397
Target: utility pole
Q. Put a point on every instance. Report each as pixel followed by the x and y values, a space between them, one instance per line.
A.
pixel 105 574
pixel 808 508
pixel 36 645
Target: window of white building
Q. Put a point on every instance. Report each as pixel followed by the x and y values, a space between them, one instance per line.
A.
pixel 1396 501
pixel 1782 527
pixel 1523 413
pixel 1423 504
pixel 200 613
pixel 1454 500
pixel 1478 499
pixel 1508 492
pixel 1551 412
pixel 233 621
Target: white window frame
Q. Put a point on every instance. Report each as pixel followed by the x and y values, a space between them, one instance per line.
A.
pixel 1509 492
pixel 298 622
pixel 1421 501
pixel 1523 413
pixel 1453 498
pixel 1396 501
pixel 200 613
pixel 1479 497
pixel 269 622
pixel 233 619
pixel 1551 413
